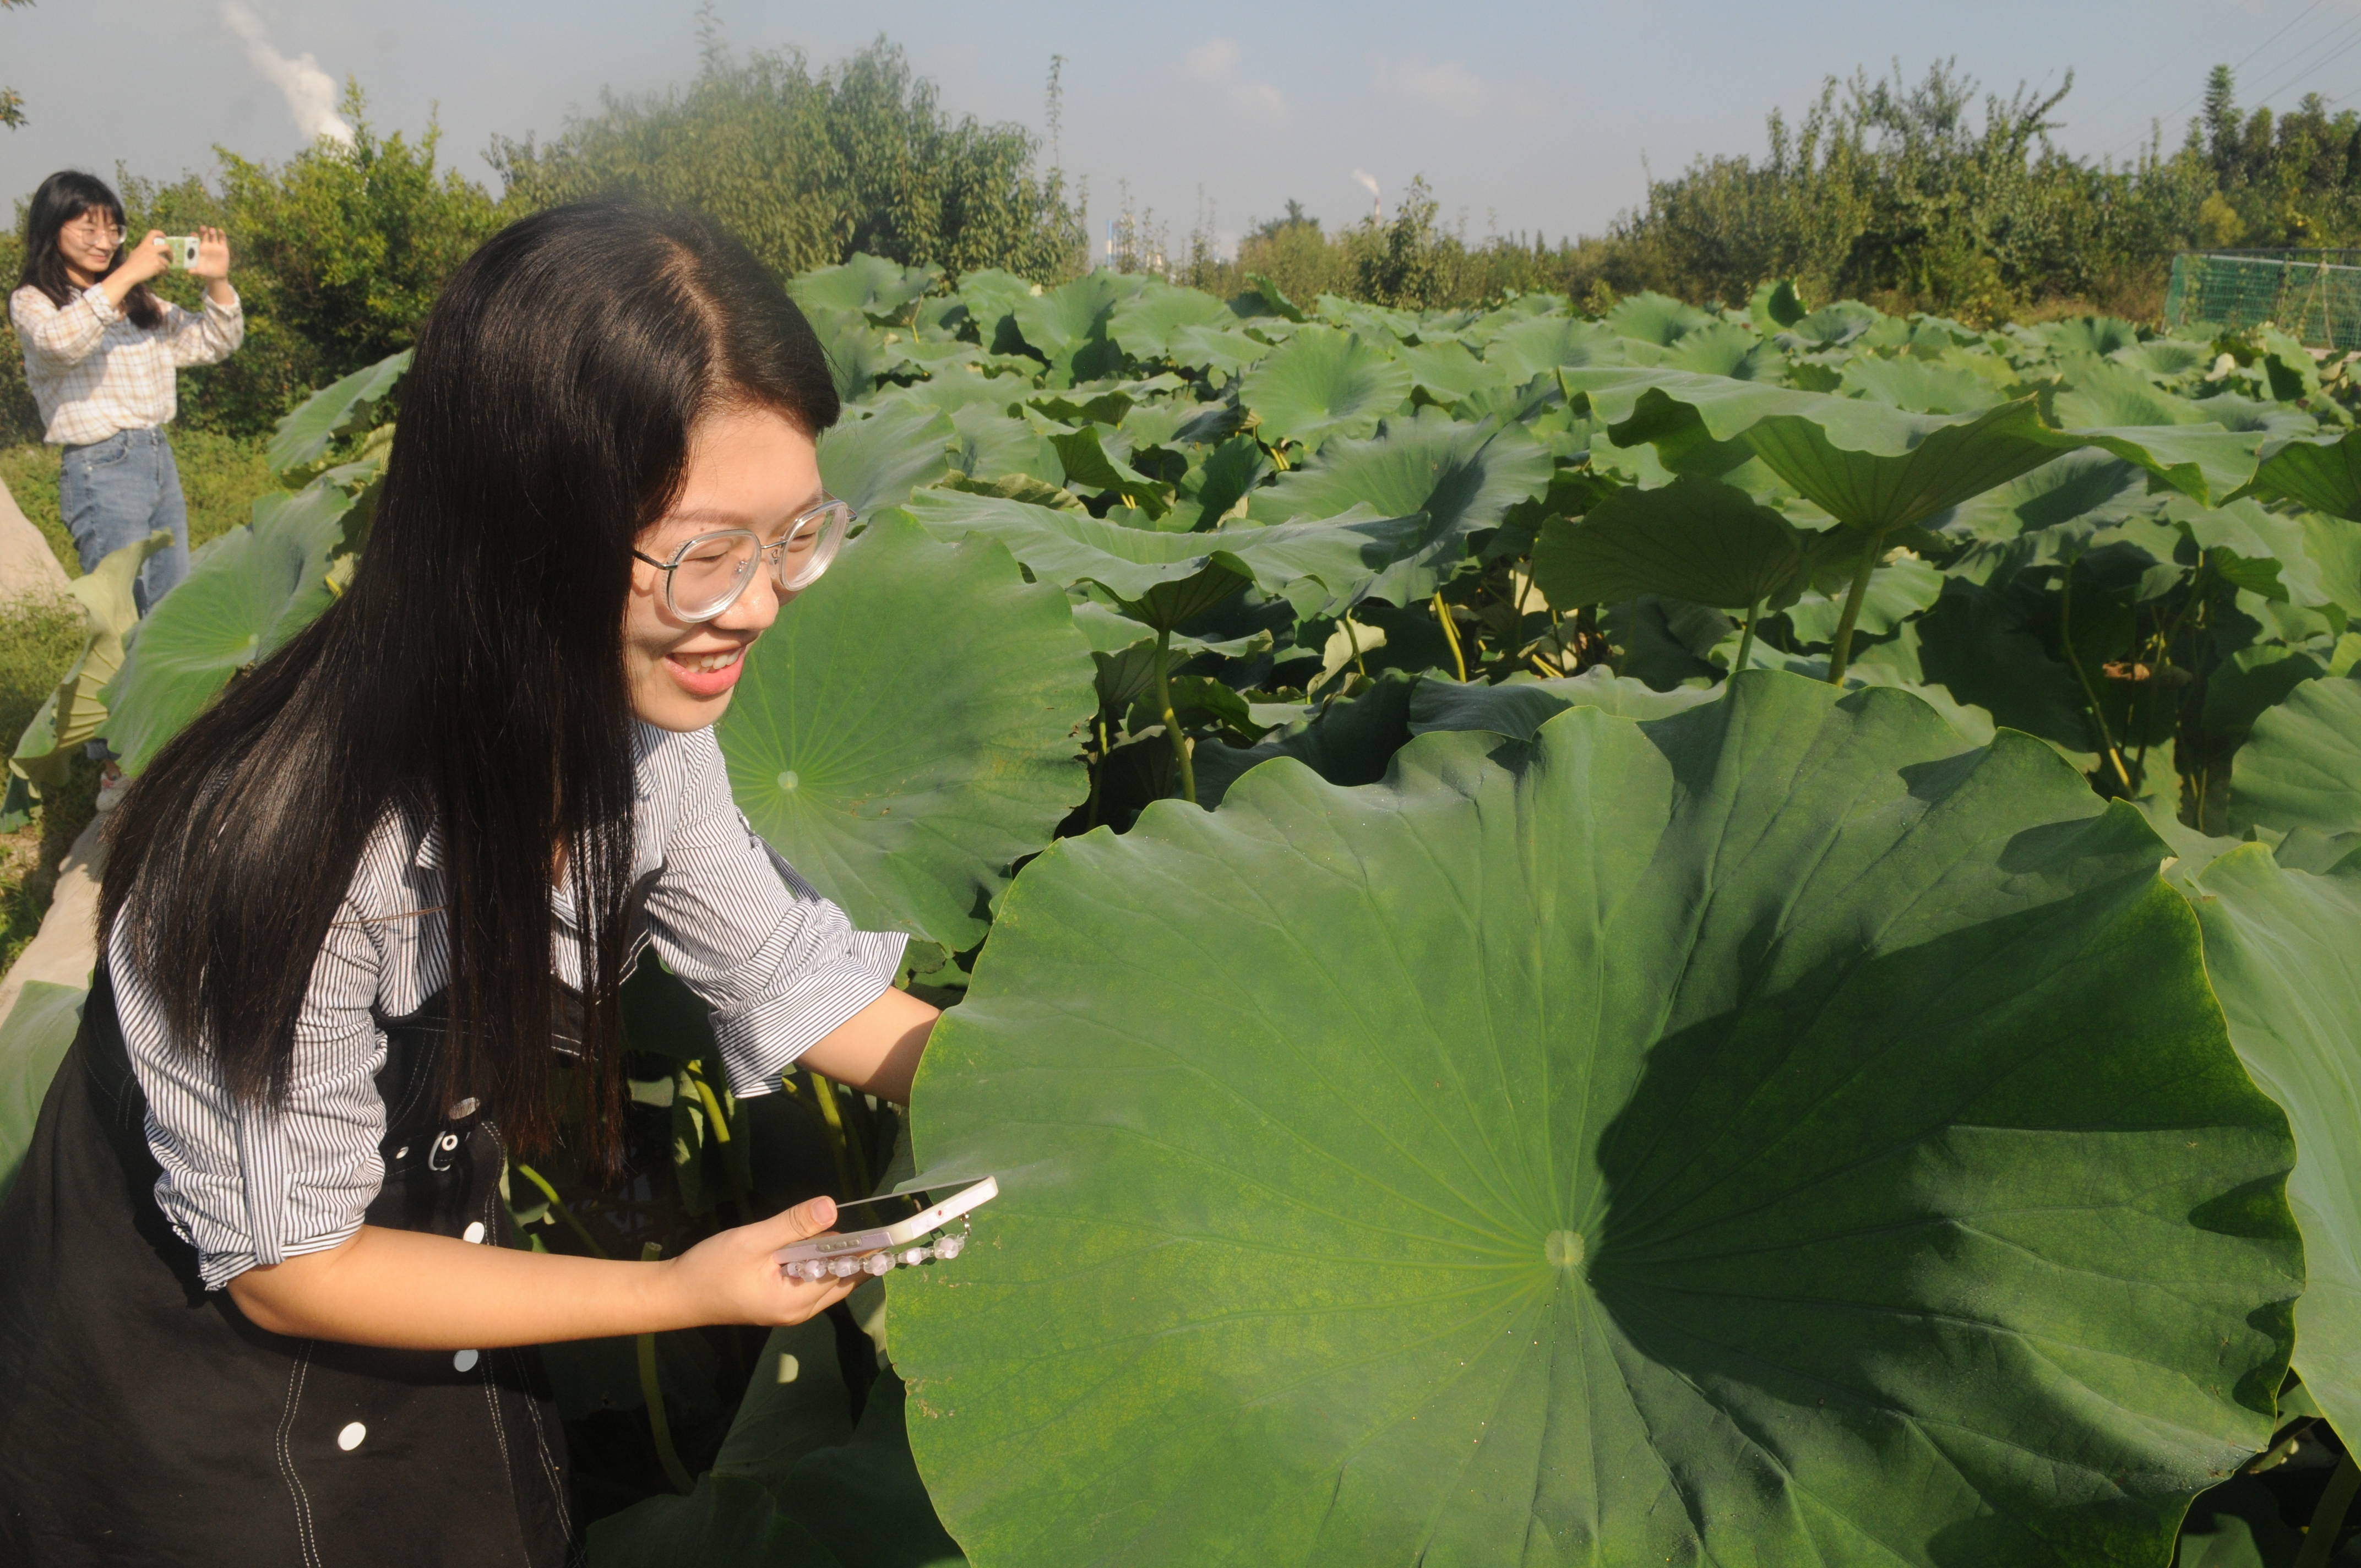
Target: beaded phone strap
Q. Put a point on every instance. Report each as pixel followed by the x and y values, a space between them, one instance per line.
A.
pixel 945 1248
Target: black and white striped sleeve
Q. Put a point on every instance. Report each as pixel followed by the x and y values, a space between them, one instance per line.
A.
pixel 250 1185
pixel 779 965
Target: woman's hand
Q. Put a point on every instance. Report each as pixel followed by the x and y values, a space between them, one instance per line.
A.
pixel 213 254
pixel 142 260
pixel 732 1278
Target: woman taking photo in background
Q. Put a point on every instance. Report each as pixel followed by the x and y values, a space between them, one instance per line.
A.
pixel 362 932
pixel 100 354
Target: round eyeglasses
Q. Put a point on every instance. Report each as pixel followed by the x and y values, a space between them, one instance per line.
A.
pixel 706 575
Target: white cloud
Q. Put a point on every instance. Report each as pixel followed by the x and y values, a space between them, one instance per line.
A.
pixel 1218 64
pixel 309 91
pixel 1450 88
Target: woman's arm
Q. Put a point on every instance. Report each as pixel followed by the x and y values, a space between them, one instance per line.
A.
pixel 411 1290
pixel 69 334
pixel 877 1048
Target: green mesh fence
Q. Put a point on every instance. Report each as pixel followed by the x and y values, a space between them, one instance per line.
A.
pixel 2315 295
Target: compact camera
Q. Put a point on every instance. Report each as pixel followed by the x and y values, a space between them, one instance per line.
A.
pixel 179 249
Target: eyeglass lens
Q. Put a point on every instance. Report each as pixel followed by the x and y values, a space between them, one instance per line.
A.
pixel 712 572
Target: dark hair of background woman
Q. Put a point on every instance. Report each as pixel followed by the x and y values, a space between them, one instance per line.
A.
pixel 472 675
pixel 61 198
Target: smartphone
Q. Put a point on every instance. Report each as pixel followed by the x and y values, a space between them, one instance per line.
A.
pixel 895 1233
pixel 181 249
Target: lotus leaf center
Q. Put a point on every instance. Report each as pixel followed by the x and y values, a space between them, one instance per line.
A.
pixel 1563 1249
pixel 787 780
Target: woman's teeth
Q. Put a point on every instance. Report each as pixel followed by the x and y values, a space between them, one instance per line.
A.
pixel 706 663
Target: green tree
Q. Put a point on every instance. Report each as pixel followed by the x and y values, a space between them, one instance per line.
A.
pixel 808 167
pixel 11 103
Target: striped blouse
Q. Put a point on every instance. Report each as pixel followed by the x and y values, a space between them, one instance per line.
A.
pixel 779 966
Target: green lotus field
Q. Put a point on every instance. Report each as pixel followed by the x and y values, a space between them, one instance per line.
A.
pixel 1699 937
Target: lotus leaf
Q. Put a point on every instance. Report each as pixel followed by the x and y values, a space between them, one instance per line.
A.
pixel 1147 325
pixel 2302 768
pixel 2279 946
pixel 76 711
pixel 871 285
pixel 1697 540
pixel 33 1041
pixel 1165 580
pixel 1542 343
pixel 1517 709
pixel 246 594
pixel 1655 318
pixel 904 734
pixel 1769 1133
pixel 2323 473
pixel 876 461
pixel 1462 477
pixel 337 408
pixel 1322 383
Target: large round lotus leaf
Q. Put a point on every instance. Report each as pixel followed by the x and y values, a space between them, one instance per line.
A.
pixel 1322 383
pixel 246 593
pixel 1540 345
pixel 870 284
pixel 2279 948
pixel 1165 580
pixel 1655 318
pixel 2322 473
pixel 1146 326
pixel 336 409
pixel 2302 766
pixel 904 733
pixel 1768 1134
pixel 1697 540
pixel 876 461
pixel 1462 477
pixel 1878 467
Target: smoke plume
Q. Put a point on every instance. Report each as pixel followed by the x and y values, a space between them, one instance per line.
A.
pixel 309 91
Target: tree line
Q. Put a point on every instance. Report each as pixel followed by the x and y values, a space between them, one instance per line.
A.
pixel 1926 194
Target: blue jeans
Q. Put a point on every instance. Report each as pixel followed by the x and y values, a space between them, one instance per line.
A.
pixel 115 492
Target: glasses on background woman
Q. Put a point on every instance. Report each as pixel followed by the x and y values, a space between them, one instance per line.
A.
pixel 706 575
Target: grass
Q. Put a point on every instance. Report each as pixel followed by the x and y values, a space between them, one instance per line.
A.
pixel 37 642
pixel 220 477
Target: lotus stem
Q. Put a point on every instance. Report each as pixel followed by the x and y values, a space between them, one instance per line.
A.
pixel 851 1169
pixel 652 1390
pixel 1451 635
pixel 2098 714
pixel 1098 775
pixel 1841 655
pixel 1171 720
pixel 1746 638
pixel 2328 1518
pixel 1354 639
pixel 557 1207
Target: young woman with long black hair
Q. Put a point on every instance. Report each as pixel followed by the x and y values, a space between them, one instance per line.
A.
pixel 363 926
pixel 102 356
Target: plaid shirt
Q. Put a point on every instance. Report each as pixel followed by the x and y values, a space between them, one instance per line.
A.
pixel 93 372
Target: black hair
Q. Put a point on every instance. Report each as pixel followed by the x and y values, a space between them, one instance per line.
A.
pixel 60 200
pixel 471 679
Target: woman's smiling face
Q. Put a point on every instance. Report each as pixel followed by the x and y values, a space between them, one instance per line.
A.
pixel 747 468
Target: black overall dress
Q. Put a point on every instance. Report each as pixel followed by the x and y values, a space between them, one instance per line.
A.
pixel 146 1421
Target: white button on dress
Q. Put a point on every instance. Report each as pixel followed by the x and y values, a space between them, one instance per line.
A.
pixel 464 1362
pixel 350 1438
pixel 474 1233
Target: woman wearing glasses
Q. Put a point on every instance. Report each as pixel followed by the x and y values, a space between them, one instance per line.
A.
pixel 362 930
pixel 101 353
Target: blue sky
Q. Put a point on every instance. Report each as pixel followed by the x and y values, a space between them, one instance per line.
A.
pixel 1520 116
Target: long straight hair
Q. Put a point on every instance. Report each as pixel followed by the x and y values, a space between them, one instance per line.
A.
pixel 470 681
pixel 59 201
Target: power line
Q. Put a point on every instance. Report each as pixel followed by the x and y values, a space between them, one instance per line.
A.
pixel 2306 58
pixel 2347 36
